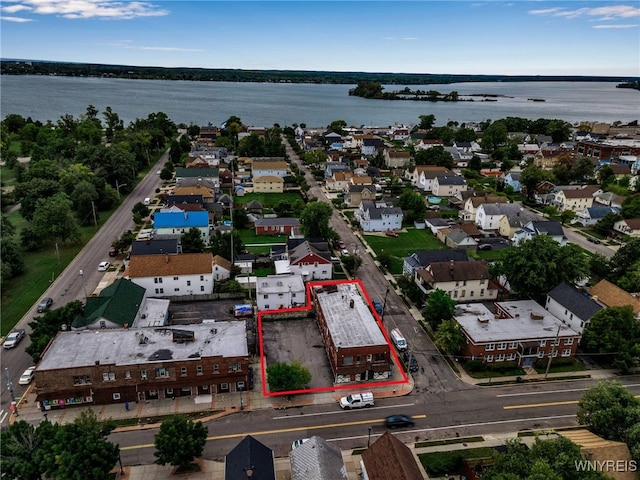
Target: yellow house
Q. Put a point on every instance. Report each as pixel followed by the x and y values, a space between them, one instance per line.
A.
pixel 268 184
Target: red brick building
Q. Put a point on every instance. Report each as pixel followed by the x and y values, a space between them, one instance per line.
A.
pixel 276 226
pixel 604 150
pixel 111 366
pixel 522 332
pixel 355 345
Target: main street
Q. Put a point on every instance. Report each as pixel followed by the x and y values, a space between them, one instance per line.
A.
pixel 80 277
pixel 462 413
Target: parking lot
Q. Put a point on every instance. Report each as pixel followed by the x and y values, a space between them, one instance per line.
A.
pixel 194 312
pixel 298 339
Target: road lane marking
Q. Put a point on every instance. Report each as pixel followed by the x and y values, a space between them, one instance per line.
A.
pixel 302 415
pixel 554 391
pixel 549 404
pixel 281 430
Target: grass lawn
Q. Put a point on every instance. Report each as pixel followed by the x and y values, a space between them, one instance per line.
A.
pixel 268 199
pixel 490 255
pixel 42 267
pixel 403 246
pixel 263 272
pixel 439 464
pixel 560 365
pixel 249 237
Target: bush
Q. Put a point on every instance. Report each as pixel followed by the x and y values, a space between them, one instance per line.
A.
pixel 439 464
pixel 476 366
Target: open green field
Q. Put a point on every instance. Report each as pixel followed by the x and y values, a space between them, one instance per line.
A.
pixel 42 268
pixel 268 199
pixel 248 236
pixel 403 246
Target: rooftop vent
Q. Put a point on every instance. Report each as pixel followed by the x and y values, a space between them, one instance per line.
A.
pixel 483 320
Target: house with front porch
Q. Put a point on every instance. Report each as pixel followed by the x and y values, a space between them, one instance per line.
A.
pixel 521 332
pixel 276 226
pixel 427 174
pixel 512 179
pixel 310 260
pixel 471 204
pixel 357 194
pixel 378 216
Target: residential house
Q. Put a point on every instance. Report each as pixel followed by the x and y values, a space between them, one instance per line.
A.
pixel 245 262
pixel 547 158
pixel 390 459
pixel 269 168
pixel 168 223
pixel 422 258
pixel 172 275
pixel 193 194
pixel 396 158
pixel 427 175
pixel 332 167
pixel 156 246
pixel 371 146
pixel 448 185
pixel 358 194
pixel 574 199
pixel 398 133
pixel 317 459
pixel 628 226
pixel 465 281
pixel 436 224
pixel 608 199
pixel 339 181
pixel 123 304
pixel 221 268
pixel 276 226
pixel 359 180
pixel 509 224
pixel 610 295
pixel 188 175
pixel 356 347
pixel 512 179
pixel 522 332
pixel 588 217
pixel 458 238
pixel 378 216
pixel 196 162
pixel 249 460
pixel 619 171
pixel 181 200
pixel 542 227
pixel 488 215
pixel 268 184
pixel 572 307
pixel 311 260
pixel 471 204
pixel 528 148
pixel 99 367
pixel 275 292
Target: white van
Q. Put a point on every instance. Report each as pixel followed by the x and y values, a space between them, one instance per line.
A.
pixel 147 201
pixel 398 340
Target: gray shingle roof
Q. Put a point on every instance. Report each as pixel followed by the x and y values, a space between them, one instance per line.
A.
pixel 316 459
pixel 570 298
pixel 451 180
pixel 549 227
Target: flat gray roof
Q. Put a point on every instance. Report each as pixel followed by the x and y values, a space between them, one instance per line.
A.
pixel 83 348
pixel 529 322
pixel 349 327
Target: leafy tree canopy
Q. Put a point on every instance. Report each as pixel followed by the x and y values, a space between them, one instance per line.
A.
pixel 449 337
pixel 315 219
pixel 179 441
pixel 351 264
pixel 192 241
pixel 440 307
pixel 283 377
pixel 434 156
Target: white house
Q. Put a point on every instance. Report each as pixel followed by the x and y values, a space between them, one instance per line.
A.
pixel 378 216
pixel 426 174
pixel 571 306
pixel 271 168
pixel 628 226
pixel 275 292
pixel 221 268
pixel 592 215
pixel 310 260
pixel 172 275
pixel 534 228
pixel 488 215
pixel 179 222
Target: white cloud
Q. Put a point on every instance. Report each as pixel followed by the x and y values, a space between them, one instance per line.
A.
pixel 611 12
pixel 16 19
pixel 170 49
pixel 15 8
pixel 74 9
pixel 410 38
pixel 616 26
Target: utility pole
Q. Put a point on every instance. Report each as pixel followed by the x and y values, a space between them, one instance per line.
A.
pixel 384 304
pixel 14 405
pixel 95 218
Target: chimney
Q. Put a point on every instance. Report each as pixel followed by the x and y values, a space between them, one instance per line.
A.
pixel 451 266
pixel 351 303
pixel 166 258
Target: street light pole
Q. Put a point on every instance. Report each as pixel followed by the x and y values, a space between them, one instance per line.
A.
pixel 369 440
pixel 84 285
pixel 14 405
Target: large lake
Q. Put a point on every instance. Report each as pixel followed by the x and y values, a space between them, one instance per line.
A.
pixel 263 104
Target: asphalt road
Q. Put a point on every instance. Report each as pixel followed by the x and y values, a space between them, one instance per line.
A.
pixel 72 285
pixel 466 412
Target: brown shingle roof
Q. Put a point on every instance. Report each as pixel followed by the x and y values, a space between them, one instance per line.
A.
pixel 276 165
pixel 454 271
pixel 195 190
pixel 585 192
pixel 268 179
pixel 633 223
pixel 222 262
pixel 166 265
pixel 611 295
pixel 390 459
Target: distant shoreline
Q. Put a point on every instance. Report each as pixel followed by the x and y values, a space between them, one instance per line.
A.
pixel 36 67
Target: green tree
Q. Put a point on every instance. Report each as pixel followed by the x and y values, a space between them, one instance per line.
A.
pixel 599 266
pixel 530 177
pixel 283 377
pixel 449 337
pixel 24 448
pixel 426 121
pixel 47 326
pixel 624 259
pixel 385 259
pixel 240 218
pixel 606 176
pixel 493 136
pixel 609 410
pixel 337 126
pixel 140 209
pixel 81 450
pixel 566 216
pixel 220 244
pixel 615 334
pixel 605 224
pixel 631 205
pixel 179 441
pixel 413 205
pixel 630 281
pixel 434 156
pixel 315 219
pixel 54 219
pixel 440 307
pixel 537 264
pixel 475 164
pixel 192 241
pixel 351 264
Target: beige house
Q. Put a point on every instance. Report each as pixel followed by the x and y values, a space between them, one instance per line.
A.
pixel 575 199
pixel 471 204
pixel 360 180
pixel 396 158
pixel 448 185
pixel 339 181
pixel 268 184
pixel 358 194
pixel 207 193
pixel 463 281
pixel 629 226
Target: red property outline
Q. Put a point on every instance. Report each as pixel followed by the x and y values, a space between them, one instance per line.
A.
pixel 308 307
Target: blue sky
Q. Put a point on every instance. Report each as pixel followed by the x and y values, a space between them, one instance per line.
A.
pixel 492 37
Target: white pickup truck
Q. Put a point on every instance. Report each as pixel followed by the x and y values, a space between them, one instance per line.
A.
pixel 357 400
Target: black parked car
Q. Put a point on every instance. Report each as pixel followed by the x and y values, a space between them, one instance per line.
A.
pixel 45 303
pixel 410 359
pixel 394 421
pixel 485 246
